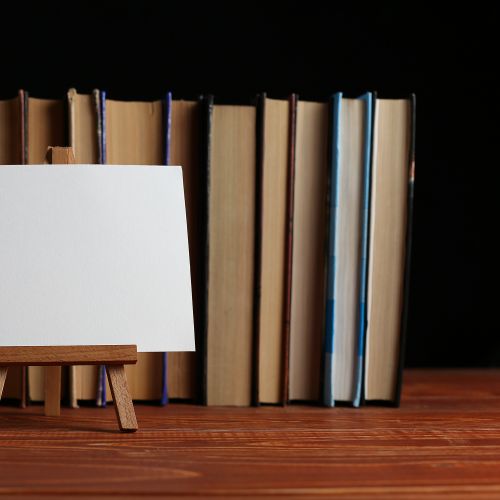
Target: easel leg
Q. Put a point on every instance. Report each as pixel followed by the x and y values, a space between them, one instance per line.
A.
pixel 124 407
pixel 52 391
pixel 3 376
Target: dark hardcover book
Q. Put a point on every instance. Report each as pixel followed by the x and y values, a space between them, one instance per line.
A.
pixel 275 143
pixel 391 205
pixel 260 134
pixel 409 233
pixel 287 310
pixel 206 141
pixel 100 103
pixel 96 97
pixel 185 150
pixel 23 102
pixel 167 122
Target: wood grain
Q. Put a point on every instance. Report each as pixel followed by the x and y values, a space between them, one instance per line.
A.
pixel 52 391
pixel 57 155
pixel 69 355
pixel 444 442
pixel 124 407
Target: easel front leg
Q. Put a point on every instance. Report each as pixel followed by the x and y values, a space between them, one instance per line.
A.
pixel 122 400
pixel 52 391
pixel 3 376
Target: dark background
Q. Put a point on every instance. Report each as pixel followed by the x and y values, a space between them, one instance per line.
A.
pixel 140 49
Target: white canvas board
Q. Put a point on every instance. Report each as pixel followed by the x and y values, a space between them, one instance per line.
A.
pixel 94 254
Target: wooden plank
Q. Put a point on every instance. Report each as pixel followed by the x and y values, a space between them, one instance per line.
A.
pixel 69 355
pixel 52 391
pixel 444 442
pixel 121 398
pixel 3 376
pixel 60 156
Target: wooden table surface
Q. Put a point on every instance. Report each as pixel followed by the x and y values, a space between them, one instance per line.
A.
pixel 444 442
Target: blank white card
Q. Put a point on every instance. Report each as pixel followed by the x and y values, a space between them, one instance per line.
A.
pixel 93 254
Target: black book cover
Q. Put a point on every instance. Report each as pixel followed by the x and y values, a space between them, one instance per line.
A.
pixel 207 105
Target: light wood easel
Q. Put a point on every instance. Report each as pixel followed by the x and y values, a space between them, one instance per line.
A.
pixel 53 357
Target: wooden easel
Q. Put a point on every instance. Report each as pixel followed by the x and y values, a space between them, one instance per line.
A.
pixel 53 357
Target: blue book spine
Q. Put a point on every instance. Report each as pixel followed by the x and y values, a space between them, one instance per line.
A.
pixel 367 154
pixel 328 385
pixel 102 397
pixel 167 128
pixel 103 121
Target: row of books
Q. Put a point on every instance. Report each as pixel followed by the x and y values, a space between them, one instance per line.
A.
pixel 299 223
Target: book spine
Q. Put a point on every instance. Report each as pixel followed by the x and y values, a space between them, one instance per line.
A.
pixel 365 217
pixel 23 100
pixel 373 117
pixel 96 97
pixel 70 101
pixel 328 382
pixel 167 117
pixel 408 246
pixel 71 114
pixel 23 155
pixel 260 121
pixel 101 103
pixel 287 310
pixel 102 114
pixel 167 123
pixel 206 139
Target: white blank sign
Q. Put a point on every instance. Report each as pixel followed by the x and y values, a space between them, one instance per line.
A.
pixel 93 254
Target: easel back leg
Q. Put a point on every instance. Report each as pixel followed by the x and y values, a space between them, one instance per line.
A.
pixel 122 400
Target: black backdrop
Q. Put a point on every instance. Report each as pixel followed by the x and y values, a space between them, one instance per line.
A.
pixel 140 49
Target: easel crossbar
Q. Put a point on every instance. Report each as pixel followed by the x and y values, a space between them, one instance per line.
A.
pixel 68 355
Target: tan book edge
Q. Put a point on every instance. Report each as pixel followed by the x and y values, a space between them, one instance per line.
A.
pixel 46 127
pixel 348 252
pixel 273 247
pixel 83 140
pixel 388 214
pixel 135 136
pixel 185 151
pixel 231 255
pixel 309 251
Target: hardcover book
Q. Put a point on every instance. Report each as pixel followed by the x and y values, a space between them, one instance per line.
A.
pixel 309 251
pixel 84 138
pixel 393 169
pixel 231 247
pixel 185 149
pixel 44 126
pixel 274 152
pixel 349 193
pixel 134 132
